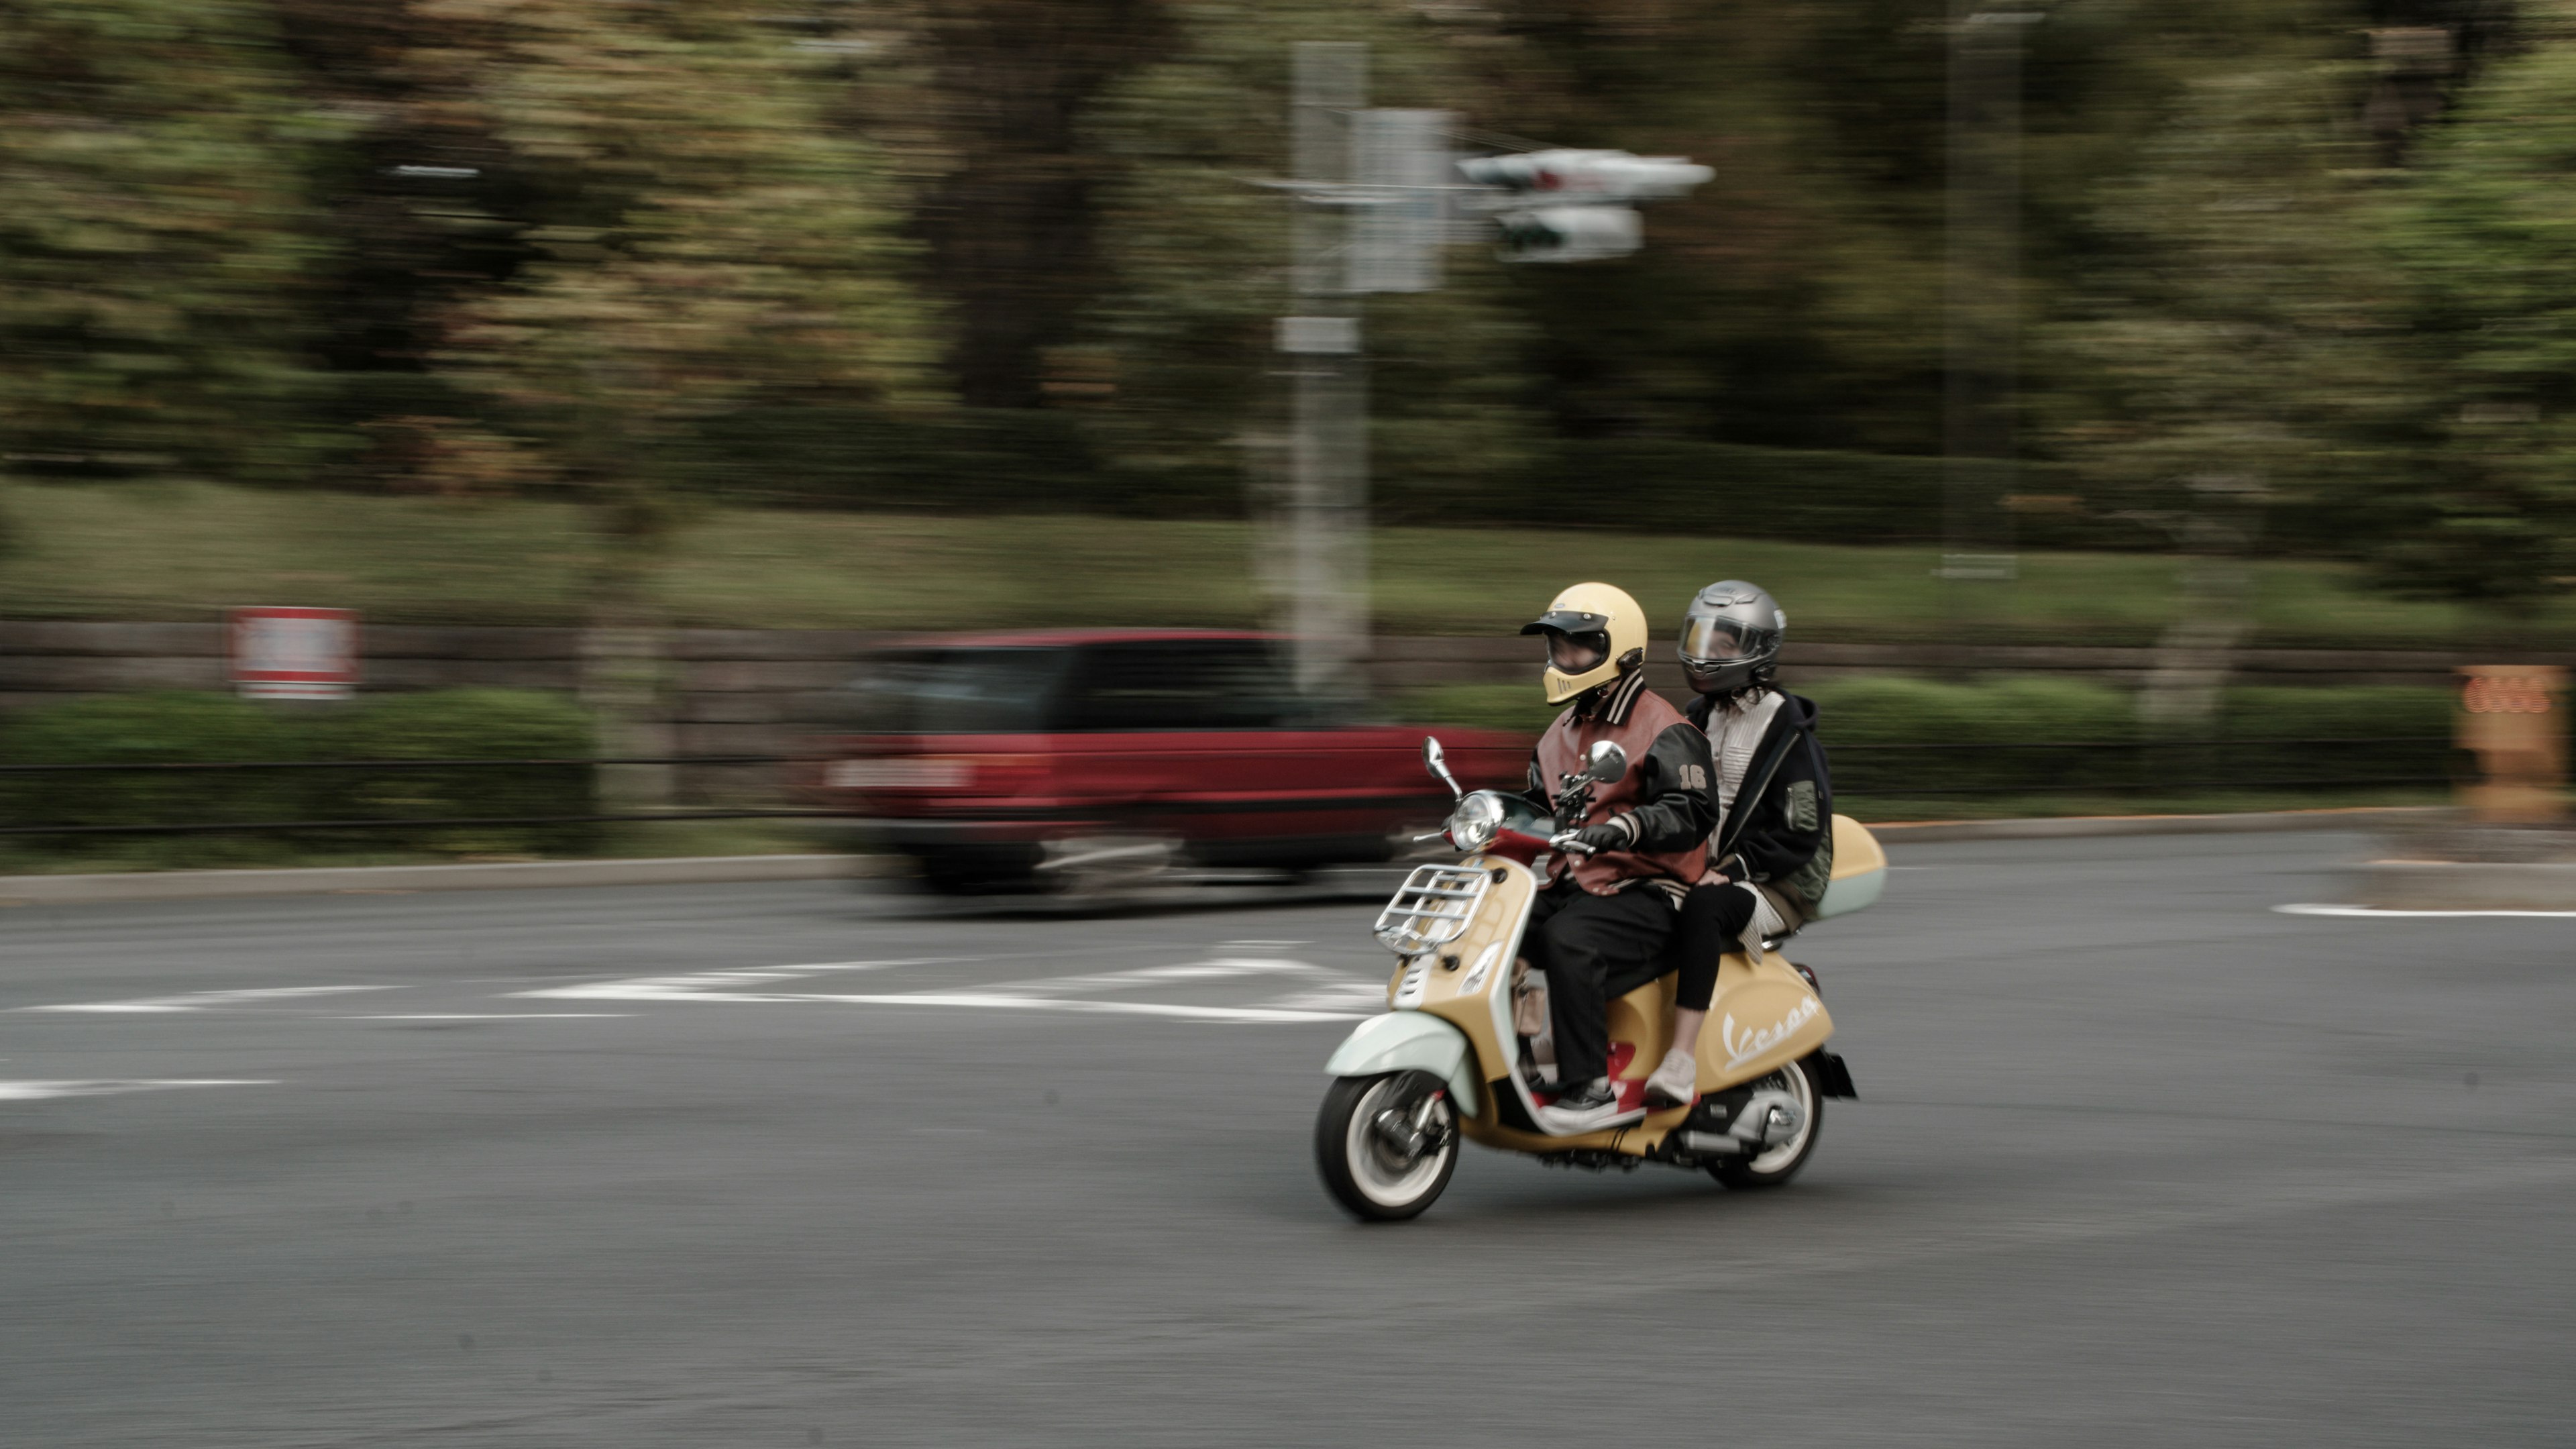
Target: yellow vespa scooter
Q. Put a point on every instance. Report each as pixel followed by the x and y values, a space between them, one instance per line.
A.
pixel 1447 1060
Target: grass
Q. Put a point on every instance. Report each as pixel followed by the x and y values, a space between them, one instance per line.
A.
pixel 187 550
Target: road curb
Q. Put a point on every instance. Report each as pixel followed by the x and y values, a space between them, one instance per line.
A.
pixel 2441 885
pixel 199 885
pixel 2075 826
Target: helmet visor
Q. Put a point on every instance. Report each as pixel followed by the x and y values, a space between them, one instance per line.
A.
pixel 1715 640
pixel 1576 653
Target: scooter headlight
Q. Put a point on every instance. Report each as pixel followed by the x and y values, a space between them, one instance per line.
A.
pixel 1473 824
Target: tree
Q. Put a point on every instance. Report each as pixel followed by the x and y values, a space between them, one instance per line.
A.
pixel 157 247
pixel 725 246
pixel 1009 224
pixel 1197 250
pixel 2478 500
pixel 2215 361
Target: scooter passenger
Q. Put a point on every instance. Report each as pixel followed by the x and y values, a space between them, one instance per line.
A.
pixel 1771 855
pixel 1635 845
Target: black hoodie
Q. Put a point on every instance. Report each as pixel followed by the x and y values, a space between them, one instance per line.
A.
pixel 1785 838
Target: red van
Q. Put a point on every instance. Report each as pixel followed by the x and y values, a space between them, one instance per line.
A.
pixel 1001 760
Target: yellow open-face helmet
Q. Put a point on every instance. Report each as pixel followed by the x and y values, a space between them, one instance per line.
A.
pixel 1595 633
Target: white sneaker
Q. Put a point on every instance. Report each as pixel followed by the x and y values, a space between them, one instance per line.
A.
pixel 1676 1082
pixel 1582 1109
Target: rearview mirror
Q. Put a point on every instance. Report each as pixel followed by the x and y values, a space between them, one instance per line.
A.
pixel 1438 764
pixel 1606 763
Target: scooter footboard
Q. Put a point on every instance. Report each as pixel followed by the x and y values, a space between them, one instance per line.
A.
pixel 1410 1041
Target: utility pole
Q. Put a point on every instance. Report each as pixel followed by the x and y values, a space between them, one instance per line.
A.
pixel 1375 196
pixel 1328 443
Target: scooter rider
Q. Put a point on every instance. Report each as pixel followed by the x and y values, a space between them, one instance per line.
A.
pixel 1772 853
pixel 1633 847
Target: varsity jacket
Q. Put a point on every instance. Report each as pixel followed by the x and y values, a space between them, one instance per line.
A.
pixel 1665 802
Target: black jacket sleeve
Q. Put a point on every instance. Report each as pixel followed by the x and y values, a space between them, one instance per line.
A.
pixel 1677 801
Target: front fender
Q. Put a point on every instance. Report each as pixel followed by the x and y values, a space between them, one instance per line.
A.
pixel 1409 1041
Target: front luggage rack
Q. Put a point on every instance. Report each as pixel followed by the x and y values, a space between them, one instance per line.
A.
pixel 1432 908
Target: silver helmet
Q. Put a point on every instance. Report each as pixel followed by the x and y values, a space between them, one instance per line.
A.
pixel 1731 638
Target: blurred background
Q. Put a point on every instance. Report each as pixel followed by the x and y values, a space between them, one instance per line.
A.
pixel 631 371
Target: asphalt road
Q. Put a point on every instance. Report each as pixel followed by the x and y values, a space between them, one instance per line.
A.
pixel 2140 1160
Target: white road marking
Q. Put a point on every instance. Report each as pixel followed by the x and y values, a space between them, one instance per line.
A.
pixel 208 1000
pixel 1107 1008
pixel 1340 1000
pixel 712 985
pixel 35 1091
pixel 494 1016
pixel 1218 969
pixel 1364 997
pixel 2329 910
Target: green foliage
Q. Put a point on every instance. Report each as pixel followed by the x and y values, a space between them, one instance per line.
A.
pixel 638 254
pixel 2223 342
pixel 999 460
pixel 468 724
pixel 187 728
pixel 156 240
pixel 1198 255
pixel 1731 490
pixel 739 249
pixel 2479 498
pixel 154 729
pixel 1873 727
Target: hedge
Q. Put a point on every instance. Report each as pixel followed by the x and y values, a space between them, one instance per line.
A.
pixel 178 727
pixel 2263 735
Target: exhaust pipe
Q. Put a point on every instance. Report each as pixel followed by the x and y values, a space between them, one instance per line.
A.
pixel 1771 1118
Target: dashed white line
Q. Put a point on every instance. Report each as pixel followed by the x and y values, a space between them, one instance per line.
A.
pixel 493 1016
pixel 712 985
pixel 208 1000
pixel 1334 999
pixel 36 1091
pixel 989 999
pixel 2333 910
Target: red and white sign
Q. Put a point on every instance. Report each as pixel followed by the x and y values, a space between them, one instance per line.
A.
pixel 295 653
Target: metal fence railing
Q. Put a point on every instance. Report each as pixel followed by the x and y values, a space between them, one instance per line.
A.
pixel 1862 771
pixel 574 771
pixel 1899 769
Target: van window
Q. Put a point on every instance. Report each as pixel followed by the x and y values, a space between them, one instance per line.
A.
pixel 1180 684
pixel 969 691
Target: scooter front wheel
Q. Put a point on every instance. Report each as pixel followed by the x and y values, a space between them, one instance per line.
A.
pixel 1386 1145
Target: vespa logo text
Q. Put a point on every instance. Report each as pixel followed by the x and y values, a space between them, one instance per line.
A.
pixel 1753 1043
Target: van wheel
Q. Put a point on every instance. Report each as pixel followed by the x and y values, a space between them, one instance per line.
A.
pixel 1096 866
pixel 1387 1145
pixel 1773 1166
pixel 962 874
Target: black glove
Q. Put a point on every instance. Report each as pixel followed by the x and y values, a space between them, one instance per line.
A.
pixel 1612 834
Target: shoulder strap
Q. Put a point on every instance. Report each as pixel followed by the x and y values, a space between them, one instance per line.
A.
pixel 1741 814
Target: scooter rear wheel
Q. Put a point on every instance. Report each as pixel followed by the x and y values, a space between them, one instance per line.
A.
pixel 1776 1165
pixel 1366 1148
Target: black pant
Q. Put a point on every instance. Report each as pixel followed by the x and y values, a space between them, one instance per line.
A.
pixel 1712 920
pixel 1579 939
